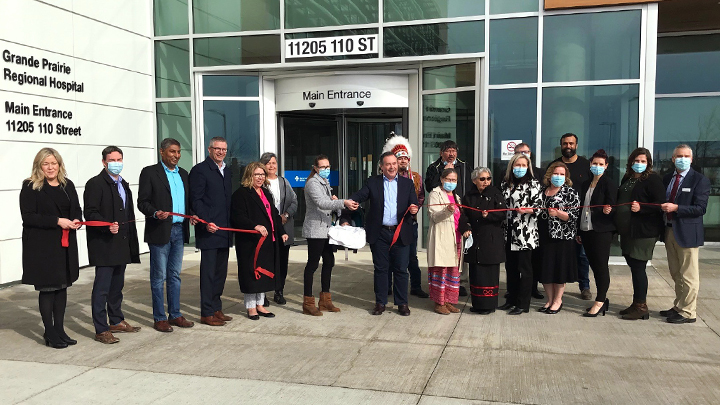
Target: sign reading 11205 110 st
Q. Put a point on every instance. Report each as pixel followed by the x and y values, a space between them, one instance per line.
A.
pixel 331 46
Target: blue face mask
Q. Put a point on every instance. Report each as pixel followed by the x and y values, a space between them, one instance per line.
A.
pixel 324 173
pixel 115 167
pixel 520 172
pixel 597 170
pixel 449 186
pixel 557 180
pixel 682 163
pixel 639 167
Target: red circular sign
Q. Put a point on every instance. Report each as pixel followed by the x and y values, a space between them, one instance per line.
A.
pixel 511 146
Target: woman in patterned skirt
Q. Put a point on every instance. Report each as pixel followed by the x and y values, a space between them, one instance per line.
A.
pixel 444 252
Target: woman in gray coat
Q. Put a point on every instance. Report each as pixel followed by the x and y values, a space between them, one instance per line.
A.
pixel 285 201
pixel 320 203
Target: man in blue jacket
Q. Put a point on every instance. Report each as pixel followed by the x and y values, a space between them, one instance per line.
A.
pixel 210 192
pixel 687 193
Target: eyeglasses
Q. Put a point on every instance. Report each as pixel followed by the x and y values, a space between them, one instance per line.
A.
pixel 219 149
pixel 258 174
pixel 484 178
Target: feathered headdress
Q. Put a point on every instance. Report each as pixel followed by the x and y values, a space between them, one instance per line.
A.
pixel 398 145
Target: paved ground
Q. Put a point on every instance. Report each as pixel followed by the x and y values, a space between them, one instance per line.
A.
pixel 354 357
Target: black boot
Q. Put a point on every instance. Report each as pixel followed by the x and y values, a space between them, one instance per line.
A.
pixel 279 298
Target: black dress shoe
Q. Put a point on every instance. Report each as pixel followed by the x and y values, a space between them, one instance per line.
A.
pixel 253 317
pixel 67 339
pixel 419 293
pixel 482 311
pixel 463 292
pixel 379 309
pixel 507 305
pixel 279 298
pixel 543 309
pixel 403 310
pixel 677 318
pixel 266 314
pixel 670 312
pixel 518 311
pixel 536 294
pixel 554 311
pixel 54 342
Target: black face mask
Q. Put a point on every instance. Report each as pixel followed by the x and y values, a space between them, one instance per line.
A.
pixel 568 153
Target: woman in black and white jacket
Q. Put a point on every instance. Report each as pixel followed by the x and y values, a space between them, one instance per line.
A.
pixel 522 193
pixel 558 228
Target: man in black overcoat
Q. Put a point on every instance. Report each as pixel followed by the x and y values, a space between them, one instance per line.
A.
pixel 210 192
pixel 108 198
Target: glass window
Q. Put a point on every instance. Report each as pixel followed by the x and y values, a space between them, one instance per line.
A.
pixel 235 15
pixel 174 121
pixel 409 10
pixel 512 6
pixel 172 68
pixel 171 17
pixel 325 13
pixel 513 50
pixel 694 121
pixel 449 116
pixel 446 77
pixel 246 50
pixel 512 116
pixel 688 64
pixel 435 39
pixel 239 123
pixel 594 46
pixel 230 86
pixel 601 116
pixel 324 34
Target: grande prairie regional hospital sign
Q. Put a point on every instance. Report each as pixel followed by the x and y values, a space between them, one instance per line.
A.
pixel 341 91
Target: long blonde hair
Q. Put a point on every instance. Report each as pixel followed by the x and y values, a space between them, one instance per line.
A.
pixel 37 177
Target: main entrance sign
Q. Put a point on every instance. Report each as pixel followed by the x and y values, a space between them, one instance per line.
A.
pixel 341 91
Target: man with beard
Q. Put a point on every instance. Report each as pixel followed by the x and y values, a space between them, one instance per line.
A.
pixel 400 146
pixel 579 168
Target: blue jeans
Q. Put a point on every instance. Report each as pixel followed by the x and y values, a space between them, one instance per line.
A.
pixel 165 265
pixel 583 268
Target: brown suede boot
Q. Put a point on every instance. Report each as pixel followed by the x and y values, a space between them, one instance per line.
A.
pixel 451 308
pixel 309 307
pixel 441 309
pixel 639 310
pixel 325 303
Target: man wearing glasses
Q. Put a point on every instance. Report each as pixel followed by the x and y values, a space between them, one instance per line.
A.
pixel 210 191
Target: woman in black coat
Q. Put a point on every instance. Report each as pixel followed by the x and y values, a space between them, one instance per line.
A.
pixel 596 227
pixel 488 249
pixel 639 225
pixel 252 208
pixel 51 214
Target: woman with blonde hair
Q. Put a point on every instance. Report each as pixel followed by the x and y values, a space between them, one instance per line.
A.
pixel 251 209
pixel 51 215
pixel 448 225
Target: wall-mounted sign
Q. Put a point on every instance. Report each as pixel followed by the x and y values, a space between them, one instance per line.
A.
pixel 341 91
pixel 297 178
pixel 331 46
pixel 507 149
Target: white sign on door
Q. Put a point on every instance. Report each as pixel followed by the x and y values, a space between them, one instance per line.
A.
pixel 507 149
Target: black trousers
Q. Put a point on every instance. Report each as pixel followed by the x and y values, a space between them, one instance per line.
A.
pixel 318 248
pixel 213 273
pixel 394 261
pixel 518 266
pixel 107 296
pixel 282 268
pixel 639 278
pixel 597 249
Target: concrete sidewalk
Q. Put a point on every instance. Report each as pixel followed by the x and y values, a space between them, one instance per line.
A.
pixel 353 357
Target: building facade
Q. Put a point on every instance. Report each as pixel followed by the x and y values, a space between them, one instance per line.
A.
pixel 301 78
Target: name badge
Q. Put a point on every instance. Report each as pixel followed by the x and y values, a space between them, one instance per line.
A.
pixel 685 190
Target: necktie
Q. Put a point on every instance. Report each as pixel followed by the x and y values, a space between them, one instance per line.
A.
pixel 673 194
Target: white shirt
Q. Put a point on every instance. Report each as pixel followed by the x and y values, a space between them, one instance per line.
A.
pixel 275 190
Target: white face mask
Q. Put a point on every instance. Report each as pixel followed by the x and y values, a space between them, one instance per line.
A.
pixel 468 243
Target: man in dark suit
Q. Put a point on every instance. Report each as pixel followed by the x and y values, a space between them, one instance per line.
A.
pixel 391 197
pixel 164 189
pixel 210 191
pixel 108 198
pixel 687 193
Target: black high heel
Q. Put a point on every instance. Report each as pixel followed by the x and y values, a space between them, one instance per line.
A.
pixel 602 309
pixel 543 309
pixel 554 311
pixel 67 339
pixel 55 345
